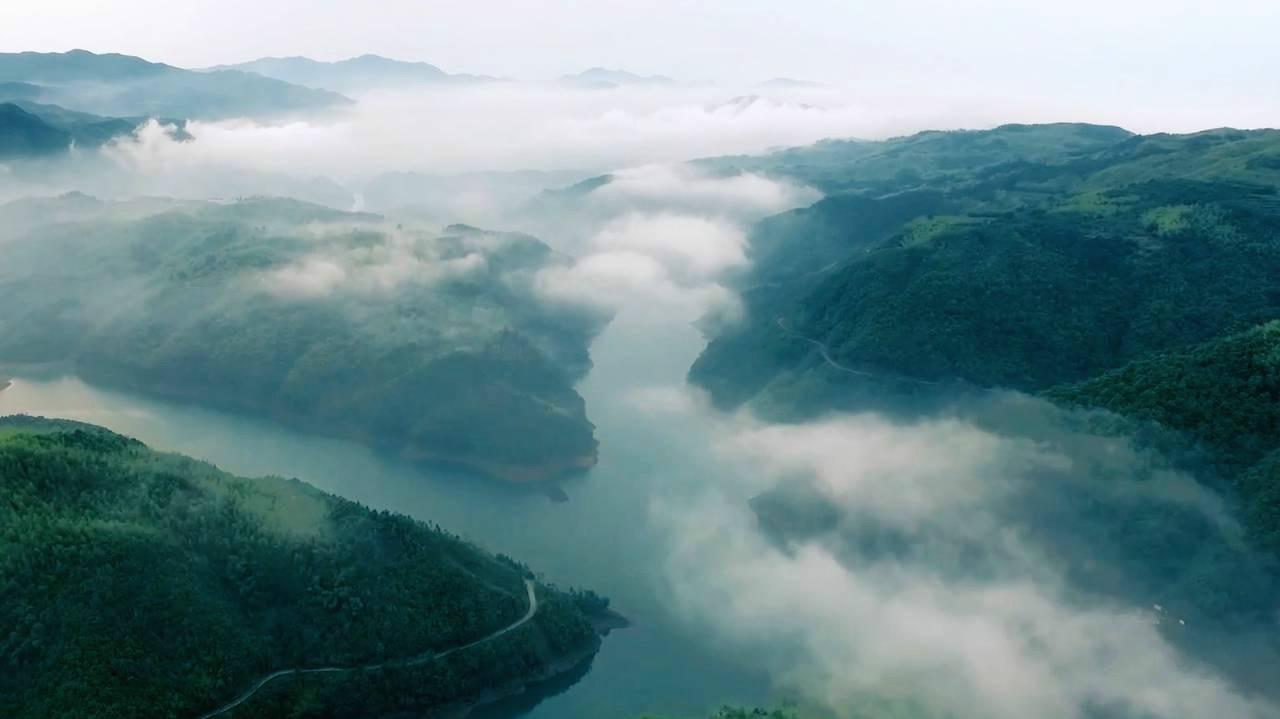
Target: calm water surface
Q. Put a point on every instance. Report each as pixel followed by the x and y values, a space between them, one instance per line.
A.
pixel 602 538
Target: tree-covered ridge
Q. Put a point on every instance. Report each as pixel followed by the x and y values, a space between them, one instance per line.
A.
pixel 23 134
pixel 434 346
pixel 1026 274
pixel 139 583
pixel 1040 297
pixel 32 129
pixel 932 159
pixel 1223 395
pixel 1018 161
pixel 1226 392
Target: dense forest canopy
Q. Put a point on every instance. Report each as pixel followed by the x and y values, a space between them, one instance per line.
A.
pixel 1026 270
pixel 1136 274
pixel 140 583
pixel 432 346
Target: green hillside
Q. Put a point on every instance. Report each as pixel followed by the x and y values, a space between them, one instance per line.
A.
pixel 431 346
pixel 1139 278
pixel 1031 275
pixel 137 583
pixel 1224 396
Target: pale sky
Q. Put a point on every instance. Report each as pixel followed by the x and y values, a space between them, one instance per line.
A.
pixel 916 46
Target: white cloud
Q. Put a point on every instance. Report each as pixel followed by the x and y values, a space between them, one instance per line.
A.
pixel 491 127
pixel 660 238
pixel 675 187
pixel 311 277
pixel 694 247
pixel 851 627
pixel 380 263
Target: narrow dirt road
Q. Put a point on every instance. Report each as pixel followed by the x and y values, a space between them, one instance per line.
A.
pixel 826 356
pixel 533 609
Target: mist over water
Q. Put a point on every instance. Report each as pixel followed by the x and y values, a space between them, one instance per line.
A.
pixel 942 578
pixel 603 538
pixel 721 611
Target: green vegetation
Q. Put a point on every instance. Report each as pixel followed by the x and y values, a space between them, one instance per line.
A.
pixel 927 159
pixel 1136 274
pixel 1025 266
pixel 1223 395
pixel 135 583
pixel 436 348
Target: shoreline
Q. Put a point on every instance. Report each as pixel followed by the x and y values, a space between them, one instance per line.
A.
pixel 543 475
pixel 518 687
pixel 607 621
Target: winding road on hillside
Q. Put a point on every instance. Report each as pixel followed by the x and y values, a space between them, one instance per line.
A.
pixel 422 659
pixel 826 355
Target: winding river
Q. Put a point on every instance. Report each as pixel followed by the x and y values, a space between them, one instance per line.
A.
pixel 604 537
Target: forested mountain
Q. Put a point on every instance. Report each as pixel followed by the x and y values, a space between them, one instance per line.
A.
pixel 353 75
pixel 1138 277
pixel 433 347
pixel 1047 268
pixel 1223 396
pixel 127 86
pixel 23 135
pixel 926 159
pixel 32 129
pixel 137 583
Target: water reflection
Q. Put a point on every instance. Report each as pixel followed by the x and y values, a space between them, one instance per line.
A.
pixel 602 538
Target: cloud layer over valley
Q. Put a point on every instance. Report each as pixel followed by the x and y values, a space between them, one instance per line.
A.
pixel 969 563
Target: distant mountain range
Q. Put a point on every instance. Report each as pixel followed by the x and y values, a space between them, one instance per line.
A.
pixel 367 72
pixel 112 85
pixel 599 78
pixel 126 86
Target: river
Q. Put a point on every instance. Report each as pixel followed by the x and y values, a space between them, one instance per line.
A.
pixel 603 538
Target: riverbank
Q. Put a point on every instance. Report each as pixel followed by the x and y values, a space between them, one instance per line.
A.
pixel 607 621
pixel 541 475
pixel 601 539
pixel 525 691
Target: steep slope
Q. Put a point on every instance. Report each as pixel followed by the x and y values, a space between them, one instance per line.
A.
pixel 434 347
pixel 24 135
pixel 1051 273
pixel 138 583
pixel 1225 392
pixel 86 130
pixel 1224 397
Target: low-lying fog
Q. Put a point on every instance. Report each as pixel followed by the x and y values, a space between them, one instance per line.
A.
pixel 460 135
pixel 981 616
